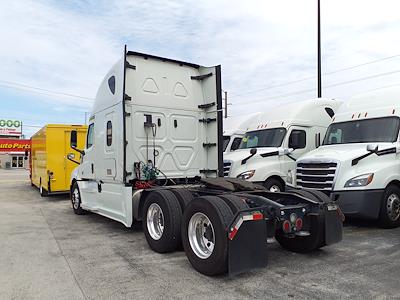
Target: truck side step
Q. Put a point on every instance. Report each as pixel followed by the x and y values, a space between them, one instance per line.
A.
pixel 201 77
pixel 207 105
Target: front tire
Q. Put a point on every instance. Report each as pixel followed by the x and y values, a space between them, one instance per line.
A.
pixel 162 216
pixel 389 215
pixel 204 236
pixel 274 185
pixel 76 200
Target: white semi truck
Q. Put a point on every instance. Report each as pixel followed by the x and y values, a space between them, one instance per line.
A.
pixel 358 162
pixel 154 154
pixel 234 130
pixel 275 139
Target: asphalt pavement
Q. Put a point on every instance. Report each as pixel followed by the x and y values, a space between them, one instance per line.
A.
pixel 48 252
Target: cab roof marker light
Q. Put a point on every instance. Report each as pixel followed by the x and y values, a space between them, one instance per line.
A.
pixel 393 111
pixel 359 115
pixel 352 116
pixel 366 114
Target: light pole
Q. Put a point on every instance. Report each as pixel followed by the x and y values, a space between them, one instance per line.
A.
pixel 319 83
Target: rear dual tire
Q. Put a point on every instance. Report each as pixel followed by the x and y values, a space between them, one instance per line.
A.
pixel 316 239
pixel 204 236
pixel 162 215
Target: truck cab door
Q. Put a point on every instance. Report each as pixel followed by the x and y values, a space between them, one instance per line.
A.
pixel 87 169
pixel 301 140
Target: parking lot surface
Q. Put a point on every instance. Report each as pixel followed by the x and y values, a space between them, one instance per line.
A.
pixel 48 252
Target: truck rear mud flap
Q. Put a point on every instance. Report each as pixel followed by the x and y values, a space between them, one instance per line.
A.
pixel 333 224
pixel 247 242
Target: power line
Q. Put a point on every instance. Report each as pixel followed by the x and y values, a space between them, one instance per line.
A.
pixel 38 90
pixel 312 77
pixel 325 87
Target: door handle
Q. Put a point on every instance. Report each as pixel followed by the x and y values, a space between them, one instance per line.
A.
pixel 92 168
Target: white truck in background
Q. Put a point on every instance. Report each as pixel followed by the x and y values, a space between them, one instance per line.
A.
pixel 154 154
pixel 358 164
pixel 234 130
pixel 275 139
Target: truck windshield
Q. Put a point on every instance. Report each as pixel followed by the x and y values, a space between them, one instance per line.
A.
pixel 226 142
pixel 263 138
pixel 363 131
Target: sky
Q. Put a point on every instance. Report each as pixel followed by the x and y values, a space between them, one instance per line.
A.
pixel 267 49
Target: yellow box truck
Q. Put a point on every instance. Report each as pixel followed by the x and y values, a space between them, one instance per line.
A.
pixel 50 167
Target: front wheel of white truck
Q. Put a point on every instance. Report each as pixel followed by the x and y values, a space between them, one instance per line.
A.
pixel 389 215
pixel 162 216
pixel 76 200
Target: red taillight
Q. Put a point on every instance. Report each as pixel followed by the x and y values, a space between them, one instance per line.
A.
pixel 299 224
pixel 286 226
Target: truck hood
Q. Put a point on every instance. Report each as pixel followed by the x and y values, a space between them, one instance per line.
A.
pixel 342 152
pixel 240 154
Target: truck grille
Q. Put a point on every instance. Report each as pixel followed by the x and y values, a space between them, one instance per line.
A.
pixel 318 176
pixel 227 168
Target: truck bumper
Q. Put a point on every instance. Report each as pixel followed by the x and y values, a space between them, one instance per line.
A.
pixel 362 204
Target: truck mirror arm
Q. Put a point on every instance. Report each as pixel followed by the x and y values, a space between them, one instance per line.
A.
pixel 74 161
pixel 379 153
pixel 253 152
pixel 78 150
pixel 291 157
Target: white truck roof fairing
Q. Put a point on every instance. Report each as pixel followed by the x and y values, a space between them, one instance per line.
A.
pixel 185 103
pixel 378 103
pixel 305 113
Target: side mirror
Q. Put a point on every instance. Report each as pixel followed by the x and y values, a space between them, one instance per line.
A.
pixel 73 139
pixel 372 148
pixel 297 139
pixel 71 156
pixel 253 151
pixel 284 151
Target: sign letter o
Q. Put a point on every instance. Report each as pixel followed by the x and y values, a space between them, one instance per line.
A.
pixel 10 123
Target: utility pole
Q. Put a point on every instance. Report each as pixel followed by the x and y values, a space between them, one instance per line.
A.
pixel 226 104
pixel 319 51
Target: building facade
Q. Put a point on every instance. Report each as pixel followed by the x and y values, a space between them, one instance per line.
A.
pixel 14 150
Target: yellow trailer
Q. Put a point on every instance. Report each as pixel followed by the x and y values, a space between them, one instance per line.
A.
pixel 50 168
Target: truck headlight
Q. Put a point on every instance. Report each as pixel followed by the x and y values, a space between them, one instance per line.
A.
pixel 246 175
pixel 361 180
pixel 289 177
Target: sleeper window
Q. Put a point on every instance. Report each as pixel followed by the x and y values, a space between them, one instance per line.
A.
pixel 109 133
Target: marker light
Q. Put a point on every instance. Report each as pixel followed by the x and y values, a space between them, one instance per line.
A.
pixel 286 226
pixel 299 224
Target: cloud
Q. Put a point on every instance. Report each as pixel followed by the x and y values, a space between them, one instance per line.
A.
pixel 69 45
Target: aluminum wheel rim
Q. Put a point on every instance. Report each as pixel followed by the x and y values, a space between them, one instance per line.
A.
pixel 274 188
pixel 155 221
pixel 201 235
pixel 75 199
pixel 393 207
